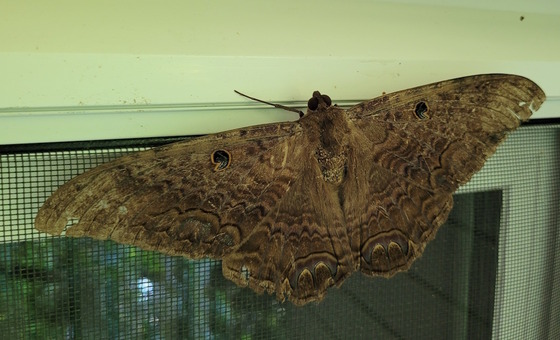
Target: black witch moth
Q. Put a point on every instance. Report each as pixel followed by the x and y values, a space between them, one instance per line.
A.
pixel 294 208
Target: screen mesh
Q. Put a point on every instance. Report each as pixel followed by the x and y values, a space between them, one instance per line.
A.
pixel 493 270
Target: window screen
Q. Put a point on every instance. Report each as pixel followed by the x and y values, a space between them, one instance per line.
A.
pixel 493 270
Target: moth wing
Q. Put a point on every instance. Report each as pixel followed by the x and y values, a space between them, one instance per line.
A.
pixel 414 148
pixel 301 248
pixel 175 199
pixel 251 197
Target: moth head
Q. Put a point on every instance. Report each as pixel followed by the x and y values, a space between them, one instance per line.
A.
pixel 318 101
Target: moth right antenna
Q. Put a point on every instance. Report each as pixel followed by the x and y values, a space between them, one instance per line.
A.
pixel 278 106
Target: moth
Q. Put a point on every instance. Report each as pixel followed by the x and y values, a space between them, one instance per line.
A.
pixel 294 208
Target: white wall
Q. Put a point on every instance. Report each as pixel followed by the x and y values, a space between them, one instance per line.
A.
pixel 74 70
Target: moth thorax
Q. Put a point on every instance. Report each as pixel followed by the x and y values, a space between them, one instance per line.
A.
pixel 333 166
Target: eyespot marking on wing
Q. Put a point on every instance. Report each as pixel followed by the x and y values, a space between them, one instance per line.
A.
pixel 221 159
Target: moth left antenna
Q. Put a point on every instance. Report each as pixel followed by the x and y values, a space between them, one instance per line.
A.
pixel 278 106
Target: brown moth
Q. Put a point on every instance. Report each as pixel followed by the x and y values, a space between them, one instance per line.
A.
pixel 294 208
